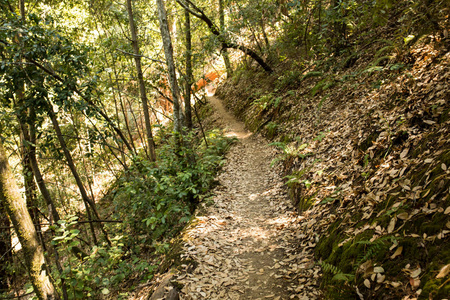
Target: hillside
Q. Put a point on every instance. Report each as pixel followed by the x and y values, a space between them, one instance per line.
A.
pixel 123 177
pixel 363 139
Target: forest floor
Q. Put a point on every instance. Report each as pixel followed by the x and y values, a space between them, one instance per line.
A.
pixel 242 243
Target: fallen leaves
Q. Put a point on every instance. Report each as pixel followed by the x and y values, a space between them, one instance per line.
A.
pixel 391 226
pixel 443 272
pixel 397 252
pixel 382 147
pixel 245 244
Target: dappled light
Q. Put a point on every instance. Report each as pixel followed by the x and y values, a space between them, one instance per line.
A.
pixel 242 243
pixel 224 149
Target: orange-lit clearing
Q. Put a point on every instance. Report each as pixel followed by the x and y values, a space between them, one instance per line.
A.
pixel 205 80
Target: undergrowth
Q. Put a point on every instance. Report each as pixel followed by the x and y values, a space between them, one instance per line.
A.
pixel 152 202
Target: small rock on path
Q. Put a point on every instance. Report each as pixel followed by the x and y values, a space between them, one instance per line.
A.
pixel 244 244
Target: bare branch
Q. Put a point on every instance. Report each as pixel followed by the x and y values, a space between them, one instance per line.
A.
pixel 149 58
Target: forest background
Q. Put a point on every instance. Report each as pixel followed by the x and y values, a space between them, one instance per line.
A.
pixel 102 162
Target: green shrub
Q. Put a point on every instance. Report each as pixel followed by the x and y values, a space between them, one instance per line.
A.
pixel 156 199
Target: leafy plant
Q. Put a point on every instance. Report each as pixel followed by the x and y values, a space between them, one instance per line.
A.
pixel 104 268
pixel 289 79
pixel 272 128
pixel 312 74
pixel 320 136
pixel 267 101
pixel 374 248
pixel 156 200
pixel 338 274
pixel 289 151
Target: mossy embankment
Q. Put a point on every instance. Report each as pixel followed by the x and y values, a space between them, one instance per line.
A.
pixel 364 141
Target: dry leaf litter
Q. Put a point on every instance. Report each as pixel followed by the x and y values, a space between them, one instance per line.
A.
pixel 244 246
pixel 361 149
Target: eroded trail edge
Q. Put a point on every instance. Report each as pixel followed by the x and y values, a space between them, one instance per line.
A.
pixel 244 244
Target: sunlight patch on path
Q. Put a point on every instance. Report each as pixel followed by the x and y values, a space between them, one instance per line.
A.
pixel 244 244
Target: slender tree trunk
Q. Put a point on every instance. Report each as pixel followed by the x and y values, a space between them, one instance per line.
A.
pixel 319 21
pixel 168 52
pixel 142 91
pixel 24 228
pixel 263 30
pixel 88 203
pixel 226 57
pixel 135 121
pixel 338 27
pixel 258 44
pixel 22 9
pixel 38 175
pixel 122 106
pixel 27 170
pixel 188 57
pixel 116 106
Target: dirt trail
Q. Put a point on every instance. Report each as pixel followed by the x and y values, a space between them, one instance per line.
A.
pixel 244 244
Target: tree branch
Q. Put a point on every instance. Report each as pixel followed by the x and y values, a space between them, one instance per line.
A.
pixel 149 58
pixel 79 93
pixel 225 43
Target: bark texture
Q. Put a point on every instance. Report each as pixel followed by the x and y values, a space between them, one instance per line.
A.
pixel 188 57
pixel 226 56
pixel 16 209
pixel 168 52
pixel 5 248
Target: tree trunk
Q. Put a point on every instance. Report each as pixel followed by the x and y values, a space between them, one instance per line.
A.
pixel 226 57
pixel 142 91
pixel 122 106
pixel 168 52
pixel 88 203
pixel 27 171
pixel 24 228
pixel 188 83
pixel 38 175
pixel 5 248
pixel 263 30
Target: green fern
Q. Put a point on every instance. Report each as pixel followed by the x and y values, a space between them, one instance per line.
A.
pixel 338 274
pixel 377 61
pixel 384 50
pixel 373 69
pixel 329 268
pixel 374 248
pixel 312 74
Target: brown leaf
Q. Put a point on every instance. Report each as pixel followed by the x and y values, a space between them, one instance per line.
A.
pixel 403 216
pixel 404 153
pixel 380 278
pixel 391 226
pixel 415 282
pixel 397 252
pixel 416 272
pixel 378 270
pixel 444 271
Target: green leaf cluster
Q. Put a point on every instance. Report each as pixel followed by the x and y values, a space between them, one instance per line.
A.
pixel 155 200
